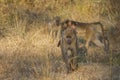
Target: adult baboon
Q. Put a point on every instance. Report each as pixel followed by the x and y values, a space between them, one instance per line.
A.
pixel 69 48
pixel 53 26
pixel 91 32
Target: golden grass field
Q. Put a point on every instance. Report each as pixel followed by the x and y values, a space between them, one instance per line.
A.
pixel 37 57
pixel 28 52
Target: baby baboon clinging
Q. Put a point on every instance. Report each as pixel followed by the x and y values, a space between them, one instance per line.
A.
pixel 91 32
pixel 69 48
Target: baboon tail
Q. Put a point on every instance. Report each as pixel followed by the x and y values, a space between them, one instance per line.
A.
pixel 106 44
pixel 101 25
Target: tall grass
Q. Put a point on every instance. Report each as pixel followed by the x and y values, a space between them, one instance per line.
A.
pixel 28 52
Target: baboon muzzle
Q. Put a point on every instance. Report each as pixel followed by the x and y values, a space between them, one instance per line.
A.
pixel 69 39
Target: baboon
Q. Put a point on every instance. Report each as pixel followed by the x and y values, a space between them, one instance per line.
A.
pixel 53 26
pixel 69 48
pixel 91 32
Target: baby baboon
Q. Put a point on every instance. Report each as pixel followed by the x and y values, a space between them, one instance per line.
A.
pixel 91 32
pixel 68 44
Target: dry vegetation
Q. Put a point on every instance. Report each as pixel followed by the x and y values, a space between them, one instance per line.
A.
pixel 28 52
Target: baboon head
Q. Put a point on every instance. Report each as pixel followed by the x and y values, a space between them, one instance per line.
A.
pixel 57 20
pixel 68 29
pixel 68 23
pixel 69 35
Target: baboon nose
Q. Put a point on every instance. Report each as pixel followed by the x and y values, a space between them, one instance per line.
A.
pixel 69 41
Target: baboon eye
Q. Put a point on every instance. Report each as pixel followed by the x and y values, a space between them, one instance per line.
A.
pixel 68 36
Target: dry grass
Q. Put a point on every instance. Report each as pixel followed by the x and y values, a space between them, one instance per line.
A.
pixel 25 58
pixel 36 57
pixel 28 52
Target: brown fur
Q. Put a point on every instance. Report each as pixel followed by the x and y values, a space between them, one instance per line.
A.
pixel 68 43
pixel 88 31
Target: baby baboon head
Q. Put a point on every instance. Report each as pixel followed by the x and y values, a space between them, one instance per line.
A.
pixel 57 20
pixel 69 35
pixel 68 23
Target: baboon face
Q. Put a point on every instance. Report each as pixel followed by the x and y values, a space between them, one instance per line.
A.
pixel 69 35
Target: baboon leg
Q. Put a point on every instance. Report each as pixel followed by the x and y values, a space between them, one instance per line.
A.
pixel 58 34
pixel 87 46
pixel 88 38
pixel 65 58
pixel 67 63
pixel 74 59
pixel 98 43
pixel 87 43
